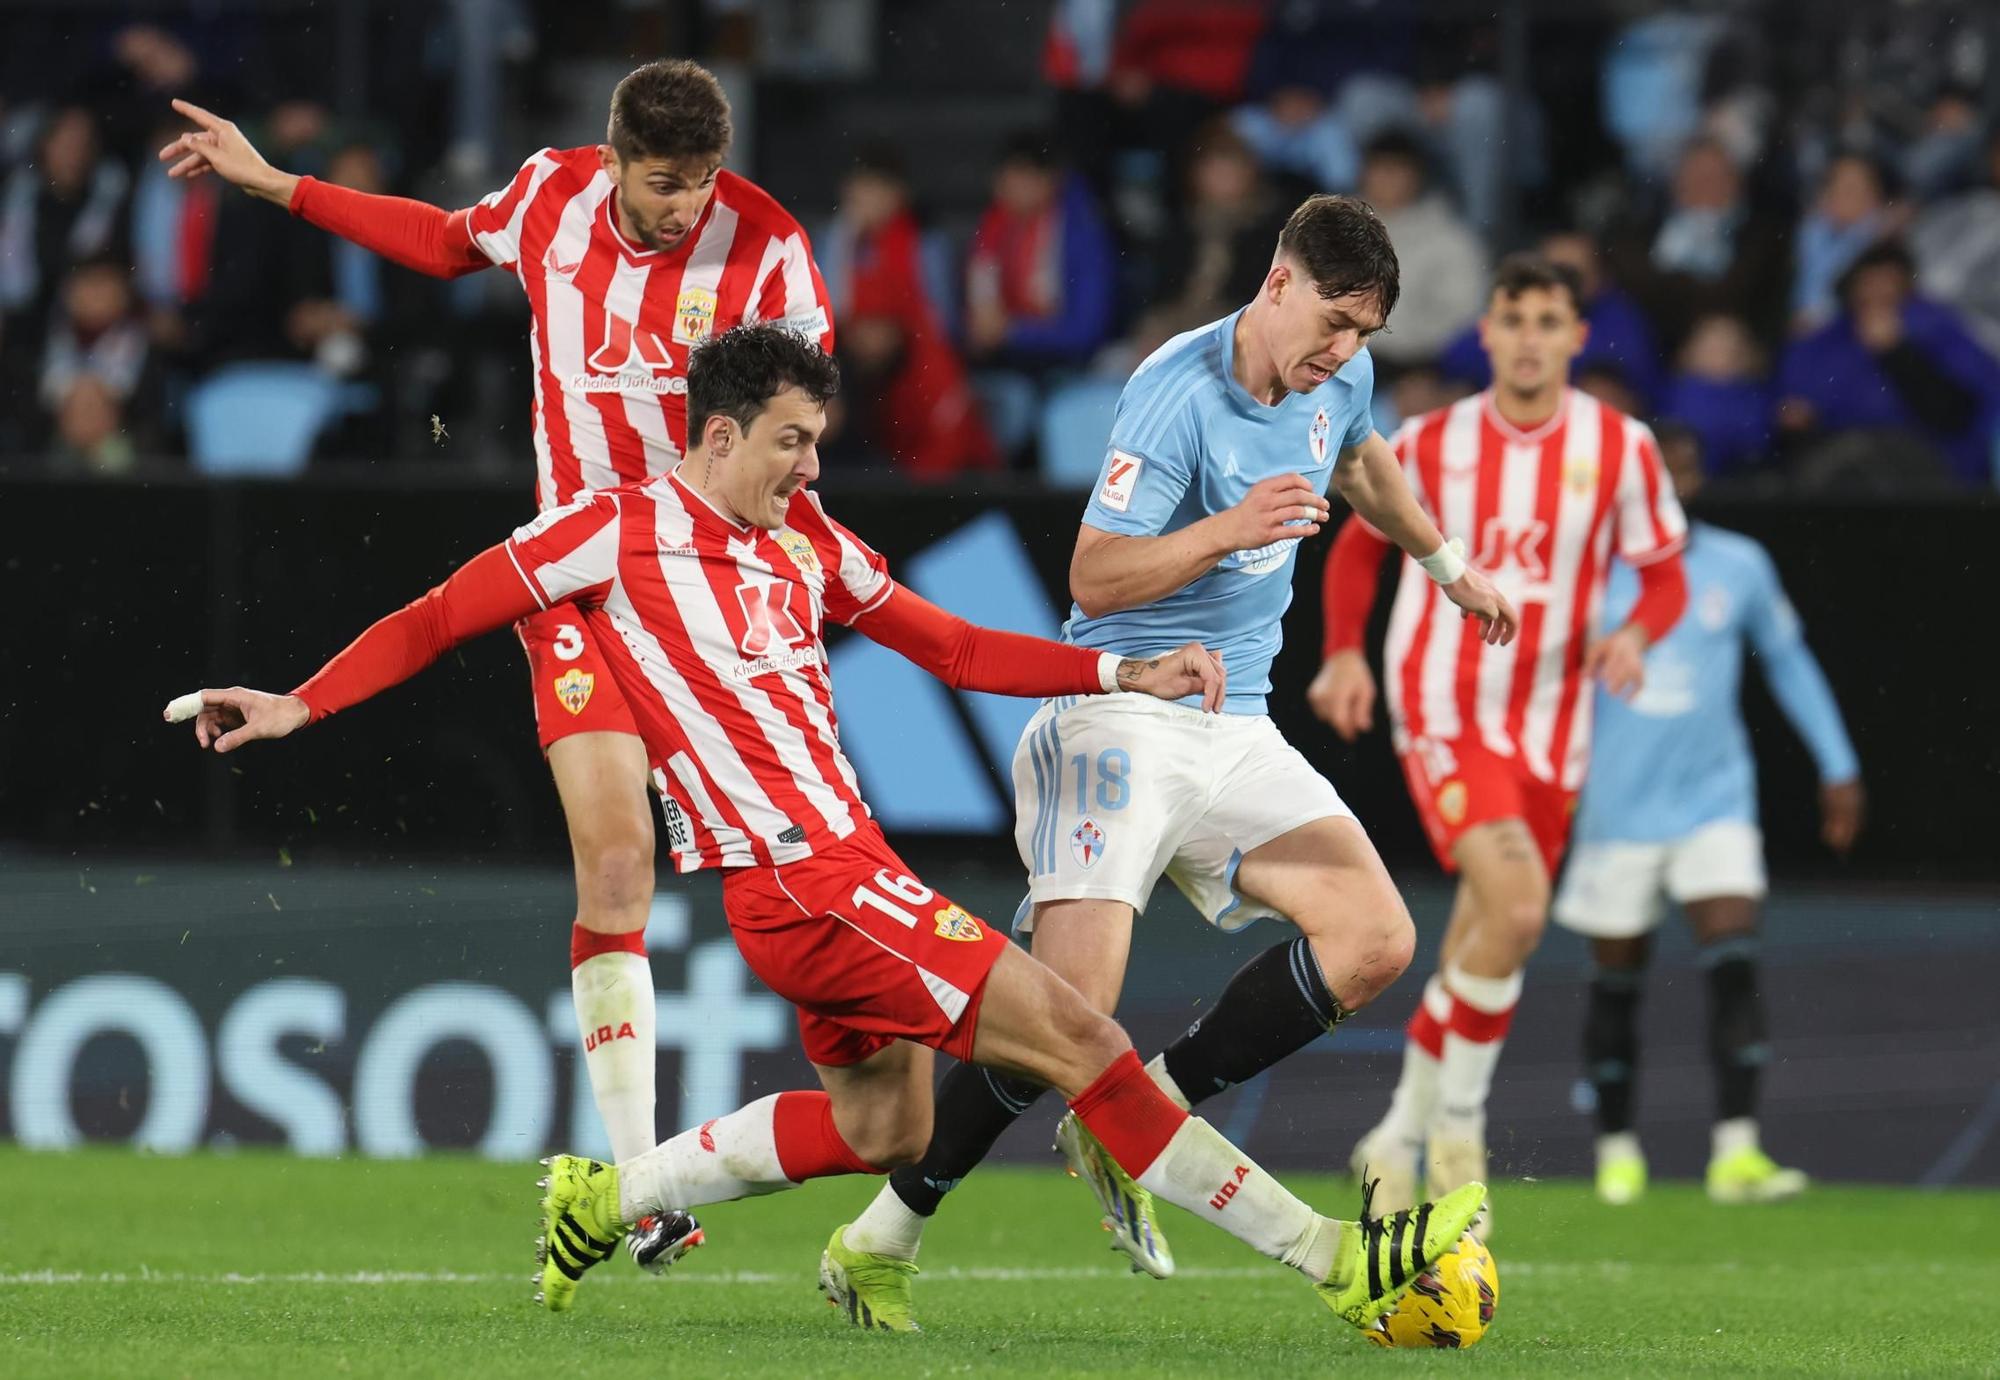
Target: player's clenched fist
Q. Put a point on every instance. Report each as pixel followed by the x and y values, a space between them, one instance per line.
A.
pixel 216 143
pixel 1187 670
pixel 1343 694
pixel 1284 505
pixel 230 718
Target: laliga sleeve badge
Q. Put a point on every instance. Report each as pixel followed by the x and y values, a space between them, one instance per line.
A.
pixel 954 923
pixel 573 688
pixel 1121 477
pixel 1086 843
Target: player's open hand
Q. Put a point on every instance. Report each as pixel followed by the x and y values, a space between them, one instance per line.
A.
pixel 1283 506
pixel 1189 670
pixel 230 718
pixel 1843 805
pixel 1618 661
pixel 217 145
pixel 1476 594
pixel 1343 694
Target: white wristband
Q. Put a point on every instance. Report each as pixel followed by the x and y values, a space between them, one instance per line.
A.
pixel 1107 671
pixel 1446 564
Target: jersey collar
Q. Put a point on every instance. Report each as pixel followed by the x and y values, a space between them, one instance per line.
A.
pixel 1513 434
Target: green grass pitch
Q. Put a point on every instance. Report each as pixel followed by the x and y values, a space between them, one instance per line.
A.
pixel 255 1265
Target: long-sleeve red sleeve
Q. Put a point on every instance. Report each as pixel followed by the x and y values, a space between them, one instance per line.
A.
pixel 1347 588
pixel 485 593
pixel 967 657
pixel 415 234
pixel 1663 596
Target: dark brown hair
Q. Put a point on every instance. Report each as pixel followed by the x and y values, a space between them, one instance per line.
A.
pixel 669 109
pixel 1342 245
pixel 737 373
pixel 1518 273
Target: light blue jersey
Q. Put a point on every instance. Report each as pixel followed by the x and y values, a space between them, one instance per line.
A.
pixel 1189 441
pixel 1677 756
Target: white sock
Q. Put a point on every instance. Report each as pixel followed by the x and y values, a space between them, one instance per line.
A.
pixel 1200 1171
pixel 1414 1102
pixel 887 1227
pixel 615 1018
pixel 1618 1145
pixel 734 1156
pixel 1156 1069
pixel 1465 1074
pixel 1736 1134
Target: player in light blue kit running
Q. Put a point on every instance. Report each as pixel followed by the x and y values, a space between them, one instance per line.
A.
pixel 1219 460
pixel 1669 811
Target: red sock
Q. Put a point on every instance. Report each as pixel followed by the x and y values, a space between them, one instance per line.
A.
pixel 1126 1110
pixel 586 944
pixel 808 1143
pixel 1426 1031
pixel 1468 1022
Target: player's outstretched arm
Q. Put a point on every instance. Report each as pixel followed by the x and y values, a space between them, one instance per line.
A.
pixel 1370 478
pixel 414 234
pixel 485 593
pixel 966 656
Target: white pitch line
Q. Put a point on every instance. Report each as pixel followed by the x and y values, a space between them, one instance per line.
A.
pixel 950 1275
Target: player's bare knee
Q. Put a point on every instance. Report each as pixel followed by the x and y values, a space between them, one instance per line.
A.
pixel 1523 918
pixel 1088 1039
pixel 614 880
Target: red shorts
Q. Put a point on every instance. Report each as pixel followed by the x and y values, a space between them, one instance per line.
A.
pixel 1461 783
pixel 867 953
pixel 574 691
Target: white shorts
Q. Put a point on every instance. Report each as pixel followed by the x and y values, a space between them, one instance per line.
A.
pixel 1620 890
pixel 1111 792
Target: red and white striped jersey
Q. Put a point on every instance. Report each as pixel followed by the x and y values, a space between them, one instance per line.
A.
pixel 1543 512
pixel 725 670
pixel 613 323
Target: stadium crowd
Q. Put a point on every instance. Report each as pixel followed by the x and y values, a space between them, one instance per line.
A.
pixel 1791 249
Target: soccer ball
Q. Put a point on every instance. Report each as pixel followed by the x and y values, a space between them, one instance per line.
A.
pixel 1450 1305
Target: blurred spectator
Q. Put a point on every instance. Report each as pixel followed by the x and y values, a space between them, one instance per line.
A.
pixel 63 208
pixel 903 381
pixel 1443 262
pixel 1893 360
pixel 1607 383
pixel 1619 332
pixel 90 430
pixel 96 332
pixel 1710 250
pixel 1682 456
pixel 1221 256
pixel 1401 394
pixel 1719 392
pixel 283 290
pixel 1957 248
pixel 173 241
pixel 1946 154
pixel 1852 211
pixel 1039 280
pixel 1330 76
pixel 1135 81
